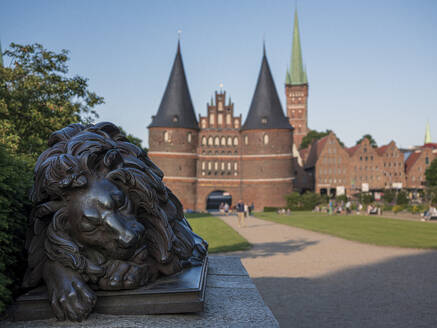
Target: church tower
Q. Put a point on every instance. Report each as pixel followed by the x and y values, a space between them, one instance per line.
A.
pixel 173 136
pixel 296 89
pixel 267 136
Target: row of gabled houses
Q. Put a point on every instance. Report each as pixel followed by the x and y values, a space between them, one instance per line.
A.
pixel 327 167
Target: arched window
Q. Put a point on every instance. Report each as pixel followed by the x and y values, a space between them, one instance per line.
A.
pixel 235 166
pixel 189 137
pixel 203 141
pixel 210 141
pixel 223 166
pixel 229 141
pixel 166 139
pixel 211 119
pixel 246 140
pixel 209 165
pixel 216 166
pixel 228 119
pixel 266 139
pixel 223 141
pixel 203 165
pixel 235 141
pixel 203 124
pixel 229 166
pixel 217 141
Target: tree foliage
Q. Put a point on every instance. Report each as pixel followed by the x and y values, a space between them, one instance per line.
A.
pixel 314 135
pixel 15 182
pixel 37 97
pixel 370 138
pixel 305 202
pixel 431 174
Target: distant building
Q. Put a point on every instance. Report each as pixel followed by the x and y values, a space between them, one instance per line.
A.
pixel 416 165
pixel 250 161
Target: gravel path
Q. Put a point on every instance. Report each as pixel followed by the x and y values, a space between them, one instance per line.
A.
pixel 310 279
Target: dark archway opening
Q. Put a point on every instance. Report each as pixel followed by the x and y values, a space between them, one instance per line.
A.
pixel 216 198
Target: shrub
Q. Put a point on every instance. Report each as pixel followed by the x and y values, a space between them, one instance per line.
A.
pixel 367 198
pixel 270 209
pixel 15 182
pixel 402 198
pixel 342 198
pixel 387 207
pixel 397 208
pixel 389 196
pixel 305 202
pixel 294 201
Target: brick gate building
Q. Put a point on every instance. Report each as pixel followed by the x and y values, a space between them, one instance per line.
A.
pixel 251 161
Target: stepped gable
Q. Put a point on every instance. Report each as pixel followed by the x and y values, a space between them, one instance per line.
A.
pixel 265 110
pixel 176 109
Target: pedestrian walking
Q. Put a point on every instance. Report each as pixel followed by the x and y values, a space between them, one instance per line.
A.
pixel 240 213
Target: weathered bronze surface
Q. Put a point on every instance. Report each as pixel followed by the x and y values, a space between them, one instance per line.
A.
pixel 102 220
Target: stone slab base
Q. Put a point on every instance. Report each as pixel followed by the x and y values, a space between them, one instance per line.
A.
pixel 231 300
pixel 180 293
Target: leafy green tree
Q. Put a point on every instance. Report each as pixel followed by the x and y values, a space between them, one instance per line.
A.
pixel 314 135
pixel 431 174
pixel 38 96
pixel 370 138
pixel 389 196
pixel 15 182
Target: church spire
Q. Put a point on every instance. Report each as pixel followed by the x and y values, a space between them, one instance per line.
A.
pixel 176 109
pixel 296 73
pixel 427 134
pixel 265 111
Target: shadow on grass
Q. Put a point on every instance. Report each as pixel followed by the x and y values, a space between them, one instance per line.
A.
pixel 230 248
pixel 400 292
pixel 275 248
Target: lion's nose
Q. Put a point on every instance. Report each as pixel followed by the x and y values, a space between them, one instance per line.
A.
pixel 128 233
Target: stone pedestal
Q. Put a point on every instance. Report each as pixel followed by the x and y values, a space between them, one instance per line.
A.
pixel 231 300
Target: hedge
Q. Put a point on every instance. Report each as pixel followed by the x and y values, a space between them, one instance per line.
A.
pixel 15 183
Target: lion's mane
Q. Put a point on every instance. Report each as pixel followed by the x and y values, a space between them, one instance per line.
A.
pixel 78 152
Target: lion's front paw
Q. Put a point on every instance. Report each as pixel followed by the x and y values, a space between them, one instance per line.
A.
pixel 124 275
pixel 74 301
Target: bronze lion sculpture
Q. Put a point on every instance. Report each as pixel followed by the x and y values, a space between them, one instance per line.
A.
pixel 102 219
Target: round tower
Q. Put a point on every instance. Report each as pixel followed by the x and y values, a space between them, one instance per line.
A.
pixel 173 136
pixel 267 141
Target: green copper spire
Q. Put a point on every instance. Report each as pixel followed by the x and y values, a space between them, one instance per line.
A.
pixel 296 74
pixel 427 134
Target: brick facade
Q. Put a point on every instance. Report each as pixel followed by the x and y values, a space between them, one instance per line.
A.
pixel 297 110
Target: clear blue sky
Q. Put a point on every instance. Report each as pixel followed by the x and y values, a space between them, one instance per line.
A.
pixel 372 65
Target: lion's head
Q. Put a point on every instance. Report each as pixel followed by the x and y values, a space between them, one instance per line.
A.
pixel 98 198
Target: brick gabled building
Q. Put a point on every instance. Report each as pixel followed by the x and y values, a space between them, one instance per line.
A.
pixel 250 161
pixel 416 165
pixel 393 166
pixel 328 166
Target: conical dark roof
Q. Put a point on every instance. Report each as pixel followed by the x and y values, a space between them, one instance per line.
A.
pixel 176 109
pixel 265 110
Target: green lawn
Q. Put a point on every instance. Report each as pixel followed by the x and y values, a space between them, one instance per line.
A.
pixel 366 229
pixel 220 236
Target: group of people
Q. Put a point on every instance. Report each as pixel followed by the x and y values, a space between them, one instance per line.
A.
pixel 430 214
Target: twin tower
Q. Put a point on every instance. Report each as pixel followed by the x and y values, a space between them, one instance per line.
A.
pixel 251 161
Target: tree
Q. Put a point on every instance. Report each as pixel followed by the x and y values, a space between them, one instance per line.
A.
pixel 314 135
pixel 37 97
pixel 132 139
pixel 431 174
pixel 370 138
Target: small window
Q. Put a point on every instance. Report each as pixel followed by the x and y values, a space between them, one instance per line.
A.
pixel 210 141
pixel 266 139
pixel 235 141
pixel 229 166
pixel 209 165
pixel 220 119
pixel 216 166
pixel 166 138
pixel 246 140
pixel 236 124
pixel 223 141
pixel 229 141
pixel 203 141
pixel 427 160
pixel 189 137
pixel 235 166
pixel 211 119
pixel 203 165
pixel 175 119
pixel 264 120
pixel 217 141
pixel 228 119
pixel 203 124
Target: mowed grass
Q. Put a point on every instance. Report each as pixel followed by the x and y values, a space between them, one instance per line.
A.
pixel 220 236
pixel 366 229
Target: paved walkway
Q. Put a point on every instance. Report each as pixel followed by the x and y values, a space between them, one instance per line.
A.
pixel 310 279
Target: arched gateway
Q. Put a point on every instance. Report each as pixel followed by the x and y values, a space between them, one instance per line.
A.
pixel 217 197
